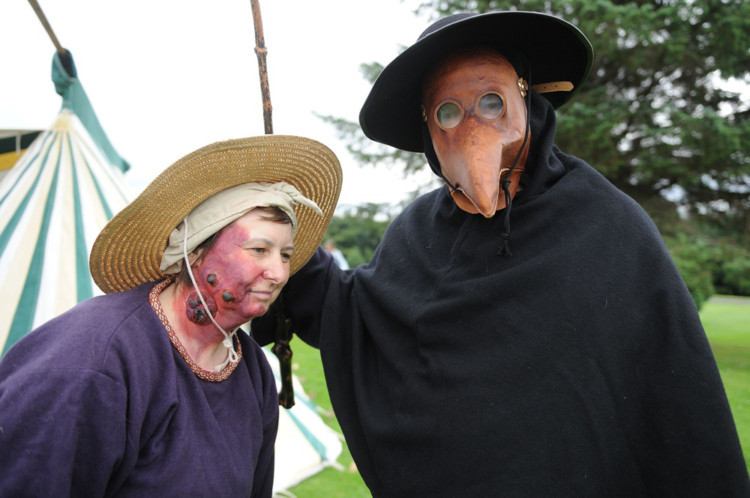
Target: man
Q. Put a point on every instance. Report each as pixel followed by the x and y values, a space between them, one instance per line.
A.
pixel 564 358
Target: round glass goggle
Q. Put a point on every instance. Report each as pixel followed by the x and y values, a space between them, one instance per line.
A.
pixel 449 114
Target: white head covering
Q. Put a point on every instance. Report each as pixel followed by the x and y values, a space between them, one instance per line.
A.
pixel 221 209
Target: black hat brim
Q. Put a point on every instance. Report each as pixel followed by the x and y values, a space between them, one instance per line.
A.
pixel 552 50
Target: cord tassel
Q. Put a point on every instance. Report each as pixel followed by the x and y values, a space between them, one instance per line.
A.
pixel 505 235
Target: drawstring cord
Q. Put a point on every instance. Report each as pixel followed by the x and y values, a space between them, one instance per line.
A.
pixel 227 342
pixel 504 249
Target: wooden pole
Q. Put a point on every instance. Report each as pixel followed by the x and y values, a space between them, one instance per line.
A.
pixel 283 331
pixel 260 52
pixel 47 27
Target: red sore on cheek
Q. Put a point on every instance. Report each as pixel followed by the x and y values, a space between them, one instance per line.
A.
pixel 227 255
pixel 195 310
pixel 229 266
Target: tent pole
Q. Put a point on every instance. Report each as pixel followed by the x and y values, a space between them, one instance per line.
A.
pixel 47 27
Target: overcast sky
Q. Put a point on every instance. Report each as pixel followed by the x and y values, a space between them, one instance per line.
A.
pixel 169 76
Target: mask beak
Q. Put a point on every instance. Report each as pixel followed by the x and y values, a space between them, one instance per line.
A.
pixel 477 177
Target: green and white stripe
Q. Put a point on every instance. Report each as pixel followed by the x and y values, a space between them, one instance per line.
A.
pixel 53 203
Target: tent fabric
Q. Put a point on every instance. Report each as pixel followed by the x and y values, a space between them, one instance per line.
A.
pixel 13 143
pixel 68 86
pixel 296 462
pixel 53 203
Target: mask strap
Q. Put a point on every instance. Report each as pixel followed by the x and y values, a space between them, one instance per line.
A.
pixel 553 86
pixel 504 249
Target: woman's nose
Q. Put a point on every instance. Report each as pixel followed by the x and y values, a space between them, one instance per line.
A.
pixel 276 269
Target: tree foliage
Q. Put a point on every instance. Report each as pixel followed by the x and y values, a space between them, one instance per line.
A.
pixel 358 231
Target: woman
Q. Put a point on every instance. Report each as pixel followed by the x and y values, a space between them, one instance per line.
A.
pixel 152 389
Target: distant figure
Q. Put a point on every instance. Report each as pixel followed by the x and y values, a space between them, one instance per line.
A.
pixel 338 256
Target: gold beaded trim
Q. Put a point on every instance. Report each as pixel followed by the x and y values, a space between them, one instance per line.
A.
pixel 200 372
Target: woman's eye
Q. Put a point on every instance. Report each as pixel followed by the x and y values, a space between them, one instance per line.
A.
pixel 490 106
pixel 448 115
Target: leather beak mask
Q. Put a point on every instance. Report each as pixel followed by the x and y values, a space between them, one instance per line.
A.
pixel 476 115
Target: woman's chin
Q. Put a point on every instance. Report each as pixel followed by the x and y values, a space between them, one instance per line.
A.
pixel 253 310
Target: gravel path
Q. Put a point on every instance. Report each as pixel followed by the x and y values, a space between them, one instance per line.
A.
pixel 745 301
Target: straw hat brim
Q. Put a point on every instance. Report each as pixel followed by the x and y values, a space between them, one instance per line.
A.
pixel 129 249
pixel 554 50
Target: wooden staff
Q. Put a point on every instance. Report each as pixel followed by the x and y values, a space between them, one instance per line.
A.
pixel 260 52
pixel 283 325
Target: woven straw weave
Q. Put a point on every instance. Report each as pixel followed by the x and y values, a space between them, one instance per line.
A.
pixel 128 250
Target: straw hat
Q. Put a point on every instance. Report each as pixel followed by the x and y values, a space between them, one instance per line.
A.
pixel 545 49
pixel 128 250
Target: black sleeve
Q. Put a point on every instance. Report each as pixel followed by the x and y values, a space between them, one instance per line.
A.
pixel 301 301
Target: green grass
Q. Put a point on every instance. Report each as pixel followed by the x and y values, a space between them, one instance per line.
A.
pixel 727 324
pixel 331 482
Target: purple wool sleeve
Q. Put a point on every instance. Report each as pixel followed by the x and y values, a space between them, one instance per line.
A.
pixel 60 422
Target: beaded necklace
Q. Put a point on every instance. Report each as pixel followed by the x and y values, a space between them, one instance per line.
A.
pixel 199 371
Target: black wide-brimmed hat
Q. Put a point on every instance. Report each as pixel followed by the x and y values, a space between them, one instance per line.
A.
pixel 555 55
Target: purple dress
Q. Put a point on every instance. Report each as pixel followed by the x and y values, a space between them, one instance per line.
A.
pixel 97 402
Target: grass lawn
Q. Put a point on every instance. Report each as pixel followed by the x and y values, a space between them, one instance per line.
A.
pixel 331 483
pixel 727 324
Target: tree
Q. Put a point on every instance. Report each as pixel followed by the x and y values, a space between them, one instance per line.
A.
pixel 358 231
pixel 657 115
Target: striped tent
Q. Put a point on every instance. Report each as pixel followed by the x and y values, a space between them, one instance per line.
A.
pixel 305 445
pixel 54 200
pixel 13 143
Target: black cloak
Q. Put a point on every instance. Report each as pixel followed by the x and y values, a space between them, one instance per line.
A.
pixel 577 366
